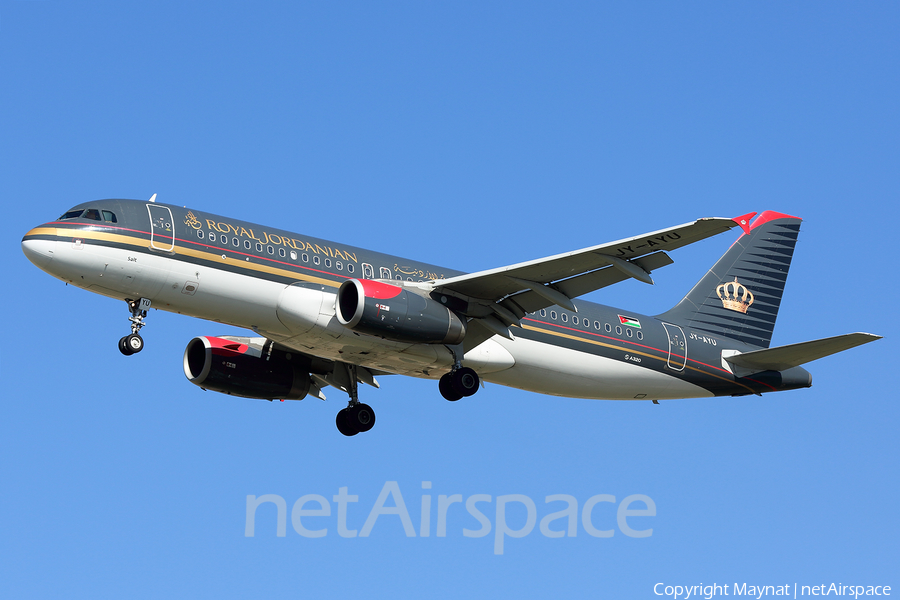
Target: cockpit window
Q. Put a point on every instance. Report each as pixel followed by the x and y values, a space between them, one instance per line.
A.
pixel 91 213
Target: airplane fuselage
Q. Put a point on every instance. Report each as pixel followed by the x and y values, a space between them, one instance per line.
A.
pixel 282 285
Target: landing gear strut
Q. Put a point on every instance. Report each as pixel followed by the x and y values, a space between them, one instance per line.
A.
pixel 357 417
pixel 133 343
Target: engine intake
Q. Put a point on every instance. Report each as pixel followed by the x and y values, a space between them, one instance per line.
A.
pixel 391 312
pixel 237 367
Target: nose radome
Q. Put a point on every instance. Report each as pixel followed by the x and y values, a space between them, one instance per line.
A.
pixel 40 252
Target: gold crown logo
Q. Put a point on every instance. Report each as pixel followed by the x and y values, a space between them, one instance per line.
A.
pixel 735 296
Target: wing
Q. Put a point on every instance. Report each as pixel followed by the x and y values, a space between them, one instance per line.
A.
pixel 498 298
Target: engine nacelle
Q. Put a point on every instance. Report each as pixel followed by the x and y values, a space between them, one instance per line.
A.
pixel 391 312
pixel 237 367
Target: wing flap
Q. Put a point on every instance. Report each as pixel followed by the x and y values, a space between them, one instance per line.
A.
pixel 782 358
pixel 589 282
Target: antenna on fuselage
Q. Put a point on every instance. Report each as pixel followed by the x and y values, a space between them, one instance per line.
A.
pixel 152 198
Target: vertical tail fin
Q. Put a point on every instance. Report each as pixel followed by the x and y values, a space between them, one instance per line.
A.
pixel 739 297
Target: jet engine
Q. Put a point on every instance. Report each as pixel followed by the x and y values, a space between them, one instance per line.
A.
pixel 238 367
pixel 391 312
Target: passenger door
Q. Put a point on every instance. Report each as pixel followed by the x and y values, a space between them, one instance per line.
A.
pixel 162 228
pixel 677 347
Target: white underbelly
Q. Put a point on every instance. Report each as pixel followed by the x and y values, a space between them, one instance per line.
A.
pixel 559 371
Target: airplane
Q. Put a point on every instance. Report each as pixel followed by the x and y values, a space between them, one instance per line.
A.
pixel 329 314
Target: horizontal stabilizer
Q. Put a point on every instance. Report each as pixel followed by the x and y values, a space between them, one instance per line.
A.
pixel 782 358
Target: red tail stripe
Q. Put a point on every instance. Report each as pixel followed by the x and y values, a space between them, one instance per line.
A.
pixel 770 215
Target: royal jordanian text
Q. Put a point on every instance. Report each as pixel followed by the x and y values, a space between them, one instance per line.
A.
pixel 274 239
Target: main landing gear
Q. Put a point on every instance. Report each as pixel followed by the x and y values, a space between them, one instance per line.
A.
pixel 458 383
pixel 357 417
pixel 134 343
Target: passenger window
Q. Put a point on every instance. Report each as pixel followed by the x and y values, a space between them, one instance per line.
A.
pixel 597 325
pixel 575 320
pixel 640 335
pixel 328 262
pixel 293 255
pixel 258 247
pixel 608 328
pixel 109 216
pixel 235 242
pixel 543 312
pixel 282 253
pixel 553 314
pixel 316 260
pixel 350 267
pixel 91 213
pixel 305 257
pixel 339 265
pixel 628 332
pixel 565 317
pixel 224 239
pixel 200 233
pixel 270 249
pixel 385 273
pixel 618 330
pixel 368 271
pixel 247 244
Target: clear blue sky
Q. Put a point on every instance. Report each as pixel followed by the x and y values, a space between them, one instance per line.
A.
pixel 470 135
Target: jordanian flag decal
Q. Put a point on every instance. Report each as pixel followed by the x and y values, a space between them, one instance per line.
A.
pixel 630 321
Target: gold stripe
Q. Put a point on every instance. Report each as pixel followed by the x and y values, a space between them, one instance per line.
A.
pixel 129 240
pixel 42 231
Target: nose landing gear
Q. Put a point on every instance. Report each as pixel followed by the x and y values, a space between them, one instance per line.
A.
pixel 133 343
pixel 130 344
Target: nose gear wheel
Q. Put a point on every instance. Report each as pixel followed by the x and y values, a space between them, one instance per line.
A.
pixel 131 344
